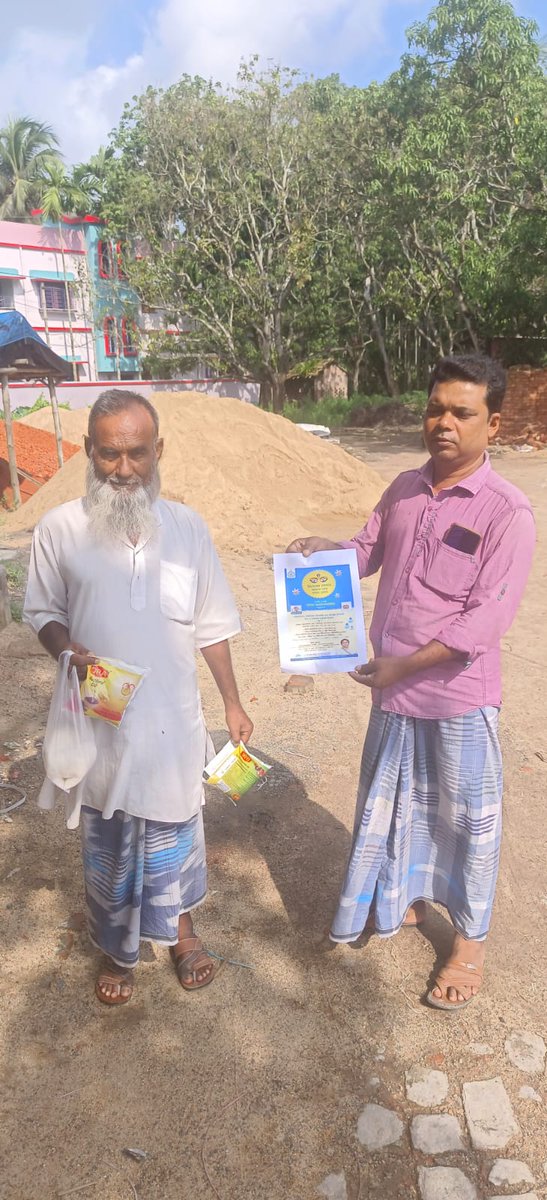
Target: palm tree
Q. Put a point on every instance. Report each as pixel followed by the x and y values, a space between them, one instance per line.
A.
pixel 91 176
pixel 27 149
pixel 60 194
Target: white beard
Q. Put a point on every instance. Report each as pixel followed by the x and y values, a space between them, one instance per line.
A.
pixel 123 513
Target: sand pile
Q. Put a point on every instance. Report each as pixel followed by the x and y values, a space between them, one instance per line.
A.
pixel 73 422
pixel 256 478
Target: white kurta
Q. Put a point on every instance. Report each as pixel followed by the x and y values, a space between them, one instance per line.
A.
pixel 153 605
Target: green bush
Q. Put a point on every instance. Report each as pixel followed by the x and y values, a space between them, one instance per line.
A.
pixel 16 609
pixel 331 410
pixel 15 574
pixel 337 410
pixel 41 402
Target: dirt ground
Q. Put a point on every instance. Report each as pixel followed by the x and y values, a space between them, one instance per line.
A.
pixel 252 1089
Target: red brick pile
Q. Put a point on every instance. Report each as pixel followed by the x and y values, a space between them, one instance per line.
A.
pixel 524 413
pixel 36 455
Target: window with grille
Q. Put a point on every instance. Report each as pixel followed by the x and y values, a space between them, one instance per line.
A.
pixel 6 293
pixel 119 259
pixel 110 336
pixel 55 296
pixel 106 260
pixel 128 338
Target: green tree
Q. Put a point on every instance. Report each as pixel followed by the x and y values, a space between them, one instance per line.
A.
pixel 290 218
pixel 89 180
pixel 27 149
pixel 441 184
pixel 470 178
pixel 60 195
pixel 228 191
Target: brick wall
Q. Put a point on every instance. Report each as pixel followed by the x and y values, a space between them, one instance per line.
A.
pixel 27 487
pixel 524 412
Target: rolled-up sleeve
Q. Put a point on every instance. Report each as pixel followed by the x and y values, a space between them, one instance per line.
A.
pixel 216 616
pixel 46 595
pixel 498 589
pixel 369 543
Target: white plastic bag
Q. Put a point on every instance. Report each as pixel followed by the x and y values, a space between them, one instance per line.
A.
pixel 69 748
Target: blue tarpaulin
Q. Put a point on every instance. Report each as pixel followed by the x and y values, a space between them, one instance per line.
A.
pixel 18 340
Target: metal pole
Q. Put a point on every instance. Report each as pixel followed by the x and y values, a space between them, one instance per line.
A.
pixel 44 310
pixel 68 303
pixel 56 419
pixel 14 478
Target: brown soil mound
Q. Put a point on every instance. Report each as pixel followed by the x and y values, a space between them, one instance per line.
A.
pixel 73 422
pixel 256 478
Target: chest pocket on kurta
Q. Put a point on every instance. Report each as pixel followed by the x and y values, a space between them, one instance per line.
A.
pixel 448 572
pixel 178 590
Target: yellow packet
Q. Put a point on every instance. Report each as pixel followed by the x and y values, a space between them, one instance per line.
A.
pixel 234 771
pixel 109 688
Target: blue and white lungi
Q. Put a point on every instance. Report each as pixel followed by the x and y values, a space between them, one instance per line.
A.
pixel 139 877
pixel 427 824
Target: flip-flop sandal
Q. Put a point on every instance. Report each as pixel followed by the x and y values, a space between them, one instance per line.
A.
pixel 189 962
pixel 455 974
pixel 112 973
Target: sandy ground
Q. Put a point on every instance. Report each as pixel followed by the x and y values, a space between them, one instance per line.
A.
pixel 251 1089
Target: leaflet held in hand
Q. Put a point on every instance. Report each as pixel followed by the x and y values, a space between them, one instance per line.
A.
pixel 320 622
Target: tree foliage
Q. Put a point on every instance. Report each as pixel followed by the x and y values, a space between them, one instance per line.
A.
pixel 289 218
pixel 27 149
pixel 386 225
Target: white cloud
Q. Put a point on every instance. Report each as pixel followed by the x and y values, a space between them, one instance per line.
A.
pixel 45 61
pixel 45 75
pixel 211 38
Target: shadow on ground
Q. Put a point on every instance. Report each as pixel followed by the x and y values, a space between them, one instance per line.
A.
pixel 251 1089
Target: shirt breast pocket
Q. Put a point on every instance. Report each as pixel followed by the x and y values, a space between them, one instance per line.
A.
pixel 178 591
pixel 448 572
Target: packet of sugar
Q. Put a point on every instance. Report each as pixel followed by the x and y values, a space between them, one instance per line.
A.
pixel 234 771
pixel 108 689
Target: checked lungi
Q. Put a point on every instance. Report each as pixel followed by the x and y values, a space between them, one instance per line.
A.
pixel 139 877
pixel 427 824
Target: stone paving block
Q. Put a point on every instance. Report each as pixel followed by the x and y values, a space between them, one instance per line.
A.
pixel 490 1117
pixel 334 1187
pixel 529 1093
pixel 480 1049
pixel 445 1183
pixel 508 1172
pixel 299 683
pixel 526 1051
pixel 436 1134
pixel 426 1087
pixel 378 1127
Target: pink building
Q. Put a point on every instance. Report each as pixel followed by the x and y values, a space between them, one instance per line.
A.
pixel 44 276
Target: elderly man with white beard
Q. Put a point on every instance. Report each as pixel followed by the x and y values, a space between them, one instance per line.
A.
pixel 124 574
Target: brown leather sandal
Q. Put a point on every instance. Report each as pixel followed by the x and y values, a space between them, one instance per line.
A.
pixel 459 975
pixel 190 961
pixel 112 973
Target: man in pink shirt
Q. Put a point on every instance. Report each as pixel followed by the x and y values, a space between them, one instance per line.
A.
pixel 454 542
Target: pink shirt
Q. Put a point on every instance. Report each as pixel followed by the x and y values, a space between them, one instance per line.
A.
pixel 428 590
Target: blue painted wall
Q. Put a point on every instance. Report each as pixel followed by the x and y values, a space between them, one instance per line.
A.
pixel 111 297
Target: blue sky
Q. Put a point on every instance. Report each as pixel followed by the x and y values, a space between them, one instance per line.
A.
pixel 76 71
